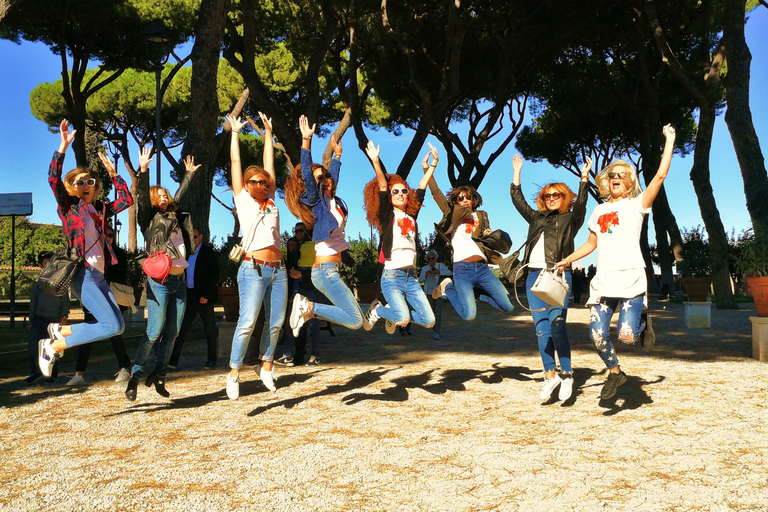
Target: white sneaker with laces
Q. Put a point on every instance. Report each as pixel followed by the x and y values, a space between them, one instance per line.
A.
pixel 77 380
pixel 390 327
pixel 299 313
pixel 54 332
pixel 124 375
pixel 439 290
pixel 233 386
pixel 371 316
pixel 549 386
pixel 268 378
pixel 46 356
pixel 566 388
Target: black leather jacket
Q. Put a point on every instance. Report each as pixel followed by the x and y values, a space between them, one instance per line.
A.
pixel 559 228
pixel 156 226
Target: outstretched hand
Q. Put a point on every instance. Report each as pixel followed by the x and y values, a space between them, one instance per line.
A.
pixel 235 123
pixel 517 163
pixel 372 151
pixel 145 157
pixel 306 130
pixel 435 157
pixel 586 168
pixel 336 144
pixel 266 121
pixel 107 164
pixel 669 132
pixel 189 164
pixel 66 136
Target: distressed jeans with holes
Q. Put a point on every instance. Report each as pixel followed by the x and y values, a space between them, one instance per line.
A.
pixel 630 325
pixel 550 326
pixel 401 289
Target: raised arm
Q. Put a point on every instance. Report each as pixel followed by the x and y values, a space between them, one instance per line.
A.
pixel 666 158
pixel 580 206
pixel 269 159
pixel 144 213
pixel 373 153
pixel 306 132
pixel 190 167
pixel 429 169
pixel 124 198
pixel 335 166
pixel 236 167
pixel 516 193
pixel 63 199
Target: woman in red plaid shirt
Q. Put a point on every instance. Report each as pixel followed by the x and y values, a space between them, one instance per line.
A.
pixel 84 218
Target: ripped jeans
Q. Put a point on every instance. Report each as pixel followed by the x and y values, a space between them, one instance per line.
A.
pixel 630 325
pixel 550 326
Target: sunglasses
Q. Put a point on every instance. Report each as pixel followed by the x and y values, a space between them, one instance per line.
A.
pixel 612 175
pixel 464 198
pixel 553 195
pixel 300 230
pixel 396 191
pixel 326 176
pixel 90 182
pixel 258 182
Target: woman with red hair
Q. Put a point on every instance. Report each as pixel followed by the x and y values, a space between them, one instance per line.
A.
pixel 393 207
pixel 552 227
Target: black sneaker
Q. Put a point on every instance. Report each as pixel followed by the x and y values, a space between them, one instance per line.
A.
pixel 284 361
pixel 648 336
pixel 313 361
pixel 612 384
pixel 33 377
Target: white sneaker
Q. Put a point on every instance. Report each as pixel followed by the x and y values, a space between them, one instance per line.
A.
pixel 233 386
pixel 549 386
pixel 268 378
pixel 124 375
pixel 439 290
pixel 46 356
pixel 371 316
pixel 566 388
pixel 299 313
pixel 77 380
pixel 54 332
pixel 390 327
pixel 435 336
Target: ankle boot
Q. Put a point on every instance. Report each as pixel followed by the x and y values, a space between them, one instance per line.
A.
pixel 159 383
pixel 130 391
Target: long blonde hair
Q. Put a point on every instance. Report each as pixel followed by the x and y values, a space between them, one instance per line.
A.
pixel 71 177
pixel 631 183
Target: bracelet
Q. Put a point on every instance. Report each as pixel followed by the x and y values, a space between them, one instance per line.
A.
pixel 306 138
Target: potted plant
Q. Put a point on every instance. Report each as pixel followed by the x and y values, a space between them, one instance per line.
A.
pixel 751 261
pixel 696 265
pixel 228 294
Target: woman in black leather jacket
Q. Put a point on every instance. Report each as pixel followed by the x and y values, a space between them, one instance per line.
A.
pixel 553 224
pixel 165 228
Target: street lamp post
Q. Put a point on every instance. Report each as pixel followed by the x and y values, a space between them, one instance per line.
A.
pixel 157 34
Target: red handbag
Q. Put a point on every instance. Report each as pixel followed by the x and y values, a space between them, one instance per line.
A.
pixel 157 266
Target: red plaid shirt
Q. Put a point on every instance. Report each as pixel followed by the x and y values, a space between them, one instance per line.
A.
pixel 73 211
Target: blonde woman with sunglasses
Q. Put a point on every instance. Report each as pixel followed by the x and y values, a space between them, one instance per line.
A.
pixel 552 227
pixel 393 207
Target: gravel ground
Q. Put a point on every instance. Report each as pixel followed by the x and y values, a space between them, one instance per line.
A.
pixel 408 423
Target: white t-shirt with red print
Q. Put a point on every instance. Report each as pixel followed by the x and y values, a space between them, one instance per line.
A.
pixel 403 242
pixel 620 264
pixel 463 245
pixel 260 222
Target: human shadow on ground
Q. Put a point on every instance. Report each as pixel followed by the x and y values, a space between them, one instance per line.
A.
pixel 630 396
pixel 248 388
pixel 450 380
pixel 9 396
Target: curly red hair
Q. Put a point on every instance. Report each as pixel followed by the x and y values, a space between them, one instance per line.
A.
pixel 371 197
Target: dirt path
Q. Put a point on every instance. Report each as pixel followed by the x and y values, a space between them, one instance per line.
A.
pixel 408 423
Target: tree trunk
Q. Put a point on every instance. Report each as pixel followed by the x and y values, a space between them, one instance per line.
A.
pixel 738 117
pixel 718 241
pixel 204 111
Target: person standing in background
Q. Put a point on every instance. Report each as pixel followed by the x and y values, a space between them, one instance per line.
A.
pixel 430 277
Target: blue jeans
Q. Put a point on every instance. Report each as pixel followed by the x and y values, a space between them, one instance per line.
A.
pixel 259 284
pixel 630 325
pixel 550 326
pixel 345 310
pixel 165 311
pixel 467 275
pixel 93 291
pixel 437 310
pixel 399 286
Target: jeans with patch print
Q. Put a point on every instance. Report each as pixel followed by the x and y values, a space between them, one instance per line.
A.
pixel 630 325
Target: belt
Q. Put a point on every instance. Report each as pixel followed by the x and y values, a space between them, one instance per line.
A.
pixel 318 265
pixel 264 263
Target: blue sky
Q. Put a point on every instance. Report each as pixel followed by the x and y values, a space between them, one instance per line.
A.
pixel 26 147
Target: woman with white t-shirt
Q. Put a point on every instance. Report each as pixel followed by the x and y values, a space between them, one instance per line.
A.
pixel 311 196
pixel 464 225
pixel 620 281
pixel 261 277
pixel 552 227
pixel 165 227
pixel 393 207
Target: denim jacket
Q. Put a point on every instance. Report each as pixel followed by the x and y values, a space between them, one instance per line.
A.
pixel 325 222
